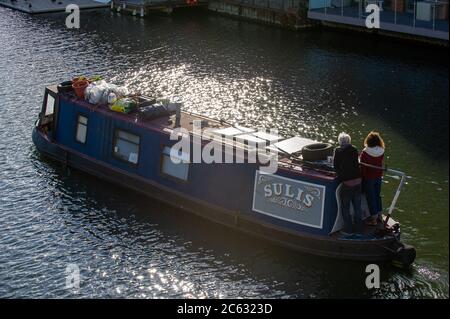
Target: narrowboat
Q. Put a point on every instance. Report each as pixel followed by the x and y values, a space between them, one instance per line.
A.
pixel 296 205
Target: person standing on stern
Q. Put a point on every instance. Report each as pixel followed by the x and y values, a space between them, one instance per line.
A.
pixel 373 155
pixel 346 165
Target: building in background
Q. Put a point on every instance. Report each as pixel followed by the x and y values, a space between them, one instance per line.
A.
pixel 408 18
pixel 44 6
pixel 425 20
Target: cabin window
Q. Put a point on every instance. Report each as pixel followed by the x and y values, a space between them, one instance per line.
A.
pixel 168 167
pixel 126 146
pixel 81 129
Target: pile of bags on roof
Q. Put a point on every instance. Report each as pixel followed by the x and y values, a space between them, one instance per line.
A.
pixel 95 90
pixel 102 92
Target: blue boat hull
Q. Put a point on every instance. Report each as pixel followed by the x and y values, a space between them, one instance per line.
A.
pixel 259 225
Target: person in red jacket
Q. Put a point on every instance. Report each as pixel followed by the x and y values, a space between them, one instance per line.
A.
pixel 373 154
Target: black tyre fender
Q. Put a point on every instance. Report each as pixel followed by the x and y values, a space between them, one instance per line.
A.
pixel 317 152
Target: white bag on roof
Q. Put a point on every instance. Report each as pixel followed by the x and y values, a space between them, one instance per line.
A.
pixel 99 91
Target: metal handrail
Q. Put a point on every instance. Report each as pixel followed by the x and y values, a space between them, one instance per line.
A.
pixel 402 176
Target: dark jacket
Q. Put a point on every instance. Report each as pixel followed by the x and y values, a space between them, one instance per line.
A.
pixel 346 163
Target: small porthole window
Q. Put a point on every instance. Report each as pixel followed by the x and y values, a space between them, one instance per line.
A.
pixel 81 129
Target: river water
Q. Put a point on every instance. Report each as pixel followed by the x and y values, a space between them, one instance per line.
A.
pixel 311 83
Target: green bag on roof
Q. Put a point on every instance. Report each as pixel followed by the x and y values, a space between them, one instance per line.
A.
pixel 124 105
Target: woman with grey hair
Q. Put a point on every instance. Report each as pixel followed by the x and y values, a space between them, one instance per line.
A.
pixel 348 171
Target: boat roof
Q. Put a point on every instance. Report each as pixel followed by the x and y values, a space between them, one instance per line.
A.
pixel 288 148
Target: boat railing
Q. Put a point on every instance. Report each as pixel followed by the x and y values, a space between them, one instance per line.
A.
pixel 394 172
